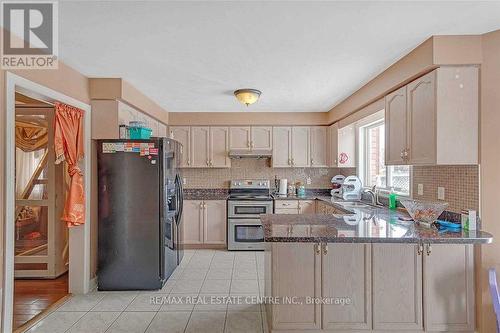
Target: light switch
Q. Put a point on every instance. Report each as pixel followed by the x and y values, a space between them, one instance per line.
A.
pixel 308 181
pixel 184 181
pixel 440 193
pixel 420 189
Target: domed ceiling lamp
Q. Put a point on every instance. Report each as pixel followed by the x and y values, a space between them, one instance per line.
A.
pixel 247 96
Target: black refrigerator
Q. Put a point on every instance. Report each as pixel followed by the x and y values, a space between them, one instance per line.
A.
pixel 140 202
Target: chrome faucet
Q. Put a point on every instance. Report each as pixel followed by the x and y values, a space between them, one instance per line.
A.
pixel 374 195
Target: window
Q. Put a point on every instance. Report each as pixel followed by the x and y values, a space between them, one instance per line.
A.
pixel 372 168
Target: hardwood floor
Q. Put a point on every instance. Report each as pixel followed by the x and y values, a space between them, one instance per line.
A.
pixel 31 297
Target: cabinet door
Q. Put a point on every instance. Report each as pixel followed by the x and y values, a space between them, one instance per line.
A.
pixel 282 138
pixel 347 147
pixel 219 147
pixel 214 226
pixel 193 222
pixel 296 273
pixel 239 137
pixel 200 143
pixel 347 280
pixel 300 146
pixel 333 145
pixel 396 124
pixel 449 288
pixel 183 135
pixel 286 211
pixel 307 207
pixel 397 287
pixel 319 147
pixel 262 137
pixel 421 105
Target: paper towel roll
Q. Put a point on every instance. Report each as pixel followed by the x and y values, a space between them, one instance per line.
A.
pixel 283 187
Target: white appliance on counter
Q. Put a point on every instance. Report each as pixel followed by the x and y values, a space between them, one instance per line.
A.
pixel 337 183
pixel 351 188
pixel 283 189
pixel 248 198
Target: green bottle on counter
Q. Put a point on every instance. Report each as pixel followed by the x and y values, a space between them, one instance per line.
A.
pixel 392 199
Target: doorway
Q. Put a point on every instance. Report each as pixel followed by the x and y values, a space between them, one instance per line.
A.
pixel 36 254
pixel 41 239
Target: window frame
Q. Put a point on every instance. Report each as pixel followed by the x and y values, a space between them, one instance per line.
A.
pixel 362 127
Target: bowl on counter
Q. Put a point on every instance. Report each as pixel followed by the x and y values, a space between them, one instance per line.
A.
pixel 424 212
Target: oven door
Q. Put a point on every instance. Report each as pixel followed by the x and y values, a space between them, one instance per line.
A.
pixel 248 208
pixel 245 234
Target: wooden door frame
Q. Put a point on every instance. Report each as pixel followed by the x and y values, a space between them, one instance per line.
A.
pixel 79 237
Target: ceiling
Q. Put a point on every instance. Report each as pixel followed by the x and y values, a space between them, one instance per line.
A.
pixel 303 56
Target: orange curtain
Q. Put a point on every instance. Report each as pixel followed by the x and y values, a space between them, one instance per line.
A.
pixel 68 144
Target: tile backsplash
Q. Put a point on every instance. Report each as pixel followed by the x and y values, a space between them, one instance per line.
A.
pixel 256 169
pixel 461 182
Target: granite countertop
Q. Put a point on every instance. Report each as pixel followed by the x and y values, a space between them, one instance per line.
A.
pixel 205 194
pixel 360 225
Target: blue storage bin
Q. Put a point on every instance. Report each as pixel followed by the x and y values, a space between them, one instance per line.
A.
pixel 143 133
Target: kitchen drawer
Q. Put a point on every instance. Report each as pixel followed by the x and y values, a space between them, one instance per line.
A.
pixel 286 211
pixel 287 204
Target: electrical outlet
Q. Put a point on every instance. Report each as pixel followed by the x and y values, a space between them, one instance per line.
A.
pixel 308 181
pixel 420 189
pixel 440 193
pixel 184 181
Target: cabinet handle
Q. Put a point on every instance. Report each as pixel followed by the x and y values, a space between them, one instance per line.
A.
pixel 335 162
pixel 420 249
pixel 289 161
pixel 428 250
pixel 248 144
pixel 317 249
pixel 312 161
pixel 188 162
pixel 201 204
pixel 325 249
pixel 293 162
pixel 208 163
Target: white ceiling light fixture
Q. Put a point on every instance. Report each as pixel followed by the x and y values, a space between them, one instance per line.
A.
pixel 247 96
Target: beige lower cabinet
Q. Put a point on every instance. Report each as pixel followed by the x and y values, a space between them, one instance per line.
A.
pixel 448 288
pixel 346 279
pixel 307 206
pixel 296 272
pixel 373 287
pixel 204 222
pixel 294 206
pixel 397 287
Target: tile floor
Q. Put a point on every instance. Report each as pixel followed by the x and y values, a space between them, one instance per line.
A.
pixel 209 274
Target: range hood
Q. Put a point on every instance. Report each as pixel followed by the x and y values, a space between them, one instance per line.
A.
pixel 245 153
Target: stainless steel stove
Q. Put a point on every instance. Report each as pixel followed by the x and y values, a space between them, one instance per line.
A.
pixel 248 199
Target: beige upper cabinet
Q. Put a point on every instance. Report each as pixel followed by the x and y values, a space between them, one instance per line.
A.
pixel 319 146
pixel 219 147
pixel 251 137
pixel 346 270
pixel 449 288
pixel 162 130
pixel 333 145
pixel 397 287
pixel 421 106
pixel 239 137
pixel 395 127
pixel 282 147
pixel 261 137
pixel 300 146
pixel 183 135
pixel 346 147
pixel 214 224
pixel 434 119
pixel 200 144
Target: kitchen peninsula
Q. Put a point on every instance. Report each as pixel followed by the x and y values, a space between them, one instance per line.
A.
pixel 364 270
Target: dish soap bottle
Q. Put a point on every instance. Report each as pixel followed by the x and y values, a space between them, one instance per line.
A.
pixel 392 199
